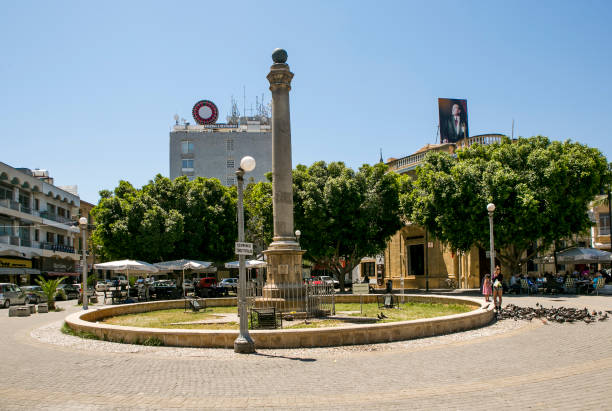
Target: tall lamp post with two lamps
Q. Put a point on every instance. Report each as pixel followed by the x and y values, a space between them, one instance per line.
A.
pixel 491 210
pixel 83 226
pixel 243 343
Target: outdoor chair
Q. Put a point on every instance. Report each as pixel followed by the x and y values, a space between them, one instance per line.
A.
pixel 525 286
pixel 601 282
pixel 570 284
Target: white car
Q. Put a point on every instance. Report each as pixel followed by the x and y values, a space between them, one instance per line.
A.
pixel 230 283
pixel 326 279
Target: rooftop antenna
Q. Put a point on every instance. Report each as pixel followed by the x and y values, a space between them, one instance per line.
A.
pixel 512 129
pixel 381 159
pixel 176 119
pixel 244 100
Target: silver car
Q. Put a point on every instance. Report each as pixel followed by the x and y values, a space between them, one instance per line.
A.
pixel 11 294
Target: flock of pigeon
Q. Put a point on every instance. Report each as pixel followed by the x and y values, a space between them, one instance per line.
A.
pixel 559 315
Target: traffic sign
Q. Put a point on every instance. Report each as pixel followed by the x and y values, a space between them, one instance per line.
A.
pixel 244 248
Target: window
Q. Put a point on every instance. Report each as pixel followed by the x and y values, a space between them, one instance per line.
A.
pixel 230 164
pixel 6 193
pixel 36 235
pixel 61 212
pixel 60 239
pixel 368 269
pixel 5 227
pixel 187 147
pixel 187 163
pixel 51 208
pixel 50 237
pixel 36 204
pixel 229 145
pixel 24 200
pixel 604 223
pixel 230 181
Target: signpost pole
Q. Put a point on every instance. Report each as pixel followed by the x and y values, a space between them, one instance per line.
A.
pixel 243 344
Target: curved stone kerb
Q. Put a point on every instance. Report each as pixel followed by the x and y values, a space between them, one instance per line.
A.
pixel 308 337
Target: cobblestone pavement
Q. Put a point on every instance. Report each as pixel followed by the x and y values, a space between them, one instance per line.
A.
pixel 509 365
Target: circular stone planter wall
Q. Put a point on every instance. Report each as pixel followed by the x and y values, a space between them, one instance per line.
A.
pixel 306 337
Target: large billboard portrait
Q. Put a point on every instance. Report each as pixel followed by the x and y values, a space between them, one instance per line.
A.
pixel 453 120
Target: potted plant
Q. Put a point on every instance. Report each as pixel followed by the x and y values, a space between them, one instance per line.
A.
pixel 49 289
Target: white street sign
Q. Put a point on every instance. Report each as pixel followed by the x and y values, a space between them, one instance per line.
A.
pixel 244 248
pixel 489 254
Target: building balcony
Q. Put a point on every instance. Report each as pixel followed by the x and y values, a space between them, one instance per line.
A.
pixel 57 247
pixel 14 205
pixel 54 217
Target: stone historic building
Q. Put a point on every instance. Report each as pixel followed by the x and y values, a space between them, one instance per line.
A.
pixel 412 258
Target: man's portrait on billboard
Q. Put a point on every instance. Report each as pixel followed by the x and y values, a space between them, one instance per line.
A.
pixel 453 120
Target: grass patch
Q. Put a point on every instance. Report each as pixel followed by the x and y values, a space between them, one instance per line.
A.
pixel 152 342
pixel 314 324
pixel 404 312
pixel 82 334
pixel 166 318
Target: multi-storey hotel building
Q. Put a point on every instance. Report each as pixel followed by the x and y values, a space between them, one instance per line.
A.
pixel 37 232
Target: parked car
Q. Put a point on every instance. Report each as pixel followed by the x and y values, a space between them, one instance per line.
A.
pixel 120 279
pixel 102 286
pixel 326 279
pixel 11 294
pixel 165 290
pixel 34 294
pixel 230 283
pixel 67 291
pixel 208 287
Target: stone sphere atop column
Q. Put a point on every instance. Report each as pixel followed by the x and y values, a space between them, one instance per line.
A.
pixel 279 56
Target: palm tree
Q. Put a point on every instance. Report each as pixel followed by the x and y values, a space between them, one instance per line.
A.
pixel 49 289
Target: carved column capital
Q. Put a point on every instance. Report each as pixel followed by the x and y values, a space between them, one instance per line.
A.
pixel 280 77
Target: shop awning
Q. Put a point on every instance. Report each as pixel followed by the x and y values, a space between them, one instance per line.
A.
pixel 58 274
pixel 18 271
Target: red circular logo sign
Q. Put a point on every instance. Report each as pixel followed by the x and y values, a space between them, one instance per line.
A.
pixel 205 112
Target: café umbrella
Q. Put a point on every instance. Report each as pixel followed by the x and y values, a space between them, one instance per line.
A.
pixel 183 265
pixel 583 255
pixel 247 264
pixel 127 266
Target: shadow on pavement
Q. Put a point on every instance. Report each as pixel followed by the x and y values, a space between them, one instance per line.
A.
pixel 285 357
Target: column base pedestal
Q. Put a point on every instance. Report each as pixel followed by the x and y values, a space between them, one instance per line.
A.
pixel 244 345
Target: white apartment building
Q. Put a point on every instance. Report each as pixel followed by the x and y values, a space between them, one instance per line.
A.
pixel 37 232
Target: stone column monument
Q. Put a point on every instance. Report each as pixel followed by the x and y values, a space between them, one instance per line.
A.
pixel 284 287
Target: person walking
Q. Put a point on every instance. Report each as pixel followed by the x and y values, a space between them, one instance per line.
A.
pixel 486 287
pixel 498 287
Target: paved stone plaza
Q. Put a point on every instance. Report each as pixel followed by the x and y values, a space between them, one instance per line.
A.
pixel 508 365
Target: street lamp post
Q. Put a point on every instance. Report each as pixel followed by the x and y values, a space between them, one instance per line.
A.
pixel 243 344
pixel 83 226
pixel 491 209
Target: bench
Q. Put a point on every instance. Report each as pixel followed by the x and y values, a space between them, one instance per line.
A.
pixel 264 318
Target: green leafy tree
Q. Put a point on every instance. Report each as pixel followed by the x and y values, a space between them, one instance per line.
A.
pixel 49 288
pixel 540 188
pixel 167 220
pixel 345 215
pixel 259 223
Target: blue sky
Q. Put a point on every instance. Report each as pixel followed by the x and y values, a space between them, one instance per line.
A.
pixel 88 89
